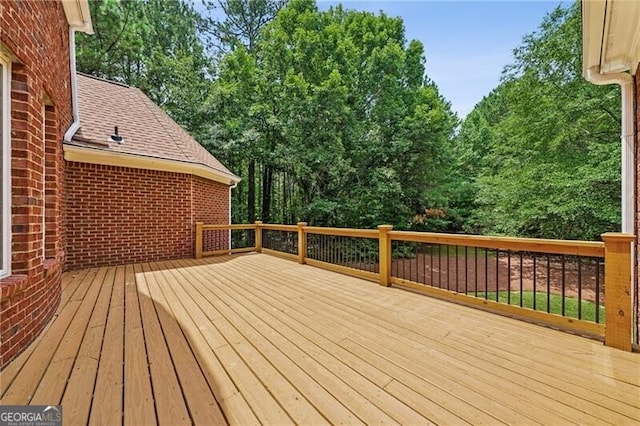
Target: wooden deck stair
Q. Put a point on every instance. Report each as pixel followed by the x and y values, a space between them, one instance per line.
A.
pixel 254 339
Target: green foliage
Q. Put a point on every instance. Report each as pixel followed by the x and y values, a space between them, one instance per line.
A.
pixel 329 117
pixel 340 114
pixel 571 304
pixel 540 155
pixel 153 45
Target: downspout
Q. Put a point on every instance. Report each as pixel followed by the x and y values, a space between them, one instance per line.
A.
pixel 235 184
pixel 627 137
pixel 625 81
pixel 71 131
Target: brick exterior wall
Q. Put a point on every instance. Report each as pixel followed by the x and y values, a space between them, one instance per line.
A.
pixel 40 114
pixel 119 215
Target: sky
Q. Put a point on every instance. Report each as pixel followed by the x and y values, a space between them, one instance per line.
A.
pixel 467 43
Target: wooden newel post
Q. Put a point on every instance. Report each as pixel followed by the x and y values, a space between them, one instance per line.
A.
pixel 302 242
pixel 385 254
pixel 258 231
pixel 199 231
pixel 617 290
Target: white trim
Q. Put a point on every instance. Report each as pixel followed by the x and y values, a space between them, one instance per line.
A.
pixel 5 191
pixel 97 156
pixel 610 36
pixel 627 138
pixel 78 16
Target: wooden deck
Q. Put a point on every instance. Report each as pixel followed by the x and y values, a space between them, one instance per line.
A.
pixel 250 339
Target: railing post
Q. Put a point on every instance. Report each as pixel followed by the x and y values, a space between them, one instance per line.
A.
pixel 617 293
pixel 302 242
pixel 199 231
pixel 385 254
pixel 258 236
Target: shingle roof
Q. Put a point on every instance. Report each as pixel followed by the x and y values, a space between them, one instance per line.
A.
pixel 147 130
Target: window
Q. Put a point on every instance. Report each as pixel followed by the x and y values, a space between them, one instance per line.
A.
pixel 5 169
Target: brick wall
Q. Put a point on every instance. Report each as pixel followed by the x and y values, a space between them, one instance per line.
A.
pixel 211 206
pixel 119 215
pixel 35 35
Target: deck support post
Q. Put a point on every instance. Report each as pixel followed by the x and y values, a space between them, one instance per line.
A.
pixel 302 242
pixel 199 232
pixel 385 254
pixel 258 236
pixel 617 294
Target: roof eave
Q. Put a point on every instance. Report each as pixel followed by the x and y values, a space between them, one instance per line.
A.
pixel 610 36
pixel 78 15
pixel 593 15
pixel 84 154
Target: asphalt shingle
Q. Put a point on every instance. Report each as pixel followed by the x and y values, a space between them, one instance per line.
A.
pixel 147 130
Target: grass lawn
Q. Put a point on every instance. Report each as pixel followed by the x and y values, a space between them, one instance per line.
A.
pixel 570 303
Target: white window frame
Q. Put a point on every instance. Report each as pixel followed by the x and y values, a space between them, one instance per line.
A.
pixel 5 266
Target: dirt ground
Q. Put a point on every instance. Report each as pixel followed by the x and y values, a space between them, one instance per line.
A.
pixel 471 274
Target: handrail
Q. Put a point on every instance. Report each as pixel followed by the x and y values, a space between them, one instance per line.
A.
pixel 226 227
pixel 277 227
pixel 342 232
pixel 569 247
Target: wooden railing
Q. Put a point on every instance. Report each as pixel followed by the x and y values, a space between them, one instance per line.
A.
pixel 519 277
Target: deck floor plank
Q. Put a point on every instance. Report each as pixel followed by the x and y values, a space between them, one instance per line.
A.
pixel 106 406
pixel 151 385
pixel 261 400
pixel 225 391
pixel 536 354
pixel 347 321
pixel 70 284
pixel 255 339
pixel 76 399
pixel 201 403
pixel 57 337
pixel 139 404
pixel 561 409
pixel 53 384
pixel 323 356
pixel 325 403
pixel 475 368
pixel 321 330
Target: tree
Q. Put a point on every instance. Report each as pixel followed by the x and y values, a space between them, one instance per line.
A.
pixel 346 128
pixel 542 152
pixel 153 45
pixel 240 29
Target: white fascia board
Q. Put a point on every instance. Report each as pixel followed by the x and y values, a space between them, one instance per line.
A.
pixel 610 36
pixel 98 156
pixel 78 15
pixel 593 19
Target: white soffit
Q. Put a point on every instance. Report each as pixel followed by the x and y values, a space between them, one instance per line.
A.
pixel 78 15
pixel 611 35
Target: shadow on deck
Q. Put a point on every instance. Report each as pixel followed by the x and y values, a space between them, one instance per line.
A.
pixel 250 339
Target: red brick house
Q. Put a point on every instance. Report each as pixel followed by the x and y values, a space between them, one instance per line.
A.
pixel 611 55
pixel 36 106
pixel 137 199
pixel 72 196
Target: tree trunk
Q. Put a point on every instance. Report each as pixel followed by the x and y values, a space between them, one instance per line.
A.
pixel 267 186
pixel 251 192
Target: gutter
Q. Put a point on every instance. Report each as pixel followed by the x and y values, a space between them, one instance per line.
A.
pixel 625 81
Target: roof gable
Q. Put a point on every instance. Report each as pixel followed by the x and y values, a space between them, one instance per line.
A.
pixel 147 130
